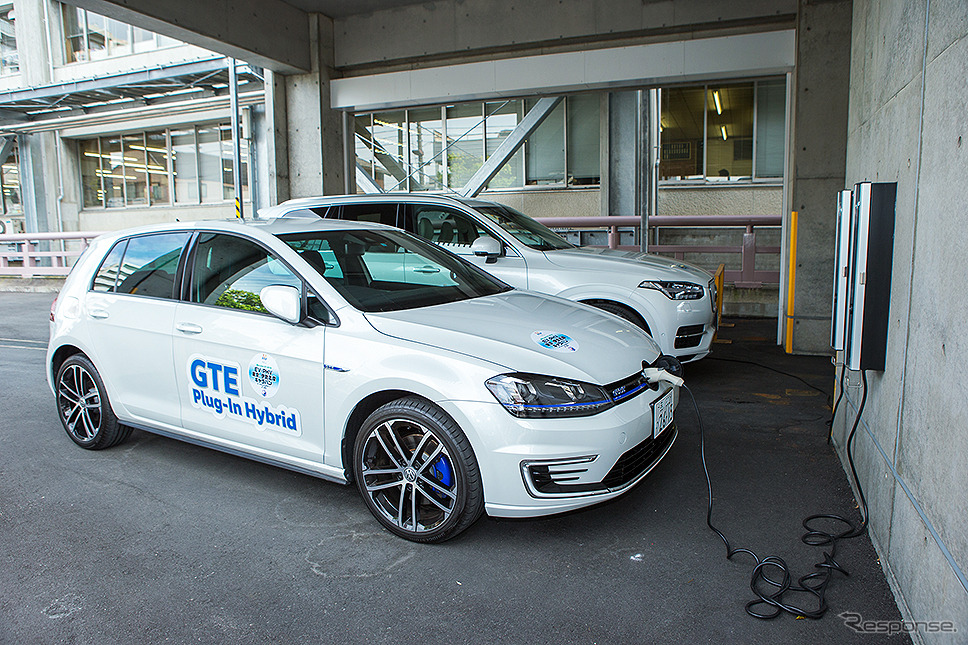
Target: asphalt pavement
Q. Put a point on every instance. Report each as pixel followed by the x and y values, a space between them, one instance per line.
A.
pixel 159 541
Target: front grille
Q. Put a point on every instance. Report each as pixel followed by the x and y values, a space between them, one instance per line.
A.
pixel 689 336
pixel 627 388
pixel 639 459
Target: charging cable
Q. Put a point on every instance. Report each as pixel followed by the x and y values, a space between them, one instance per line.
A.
pixel 771 580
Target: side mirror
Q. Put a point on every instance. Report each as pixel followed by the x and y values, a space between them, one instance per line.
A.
pixel 487 247
pixel 283 302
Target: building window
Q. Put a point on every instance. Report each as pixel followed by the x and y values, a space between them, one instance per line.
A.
pixel 437 148
pixel 190 166
pixel 10 183
pixel 723 132
pixel 9 56
pixel 90 36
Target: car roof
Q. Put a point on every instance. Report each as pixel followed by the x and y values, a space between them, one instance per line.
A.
pixel 377 198
pixel 272 227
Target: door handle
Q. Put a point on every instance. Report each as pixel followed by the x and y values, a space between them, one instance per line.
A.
pixel 98 313
pixel 426 270
pixel 188 328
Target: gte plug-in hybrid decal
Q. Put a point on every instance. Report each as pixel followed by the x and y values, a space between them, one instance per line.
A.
pixel 264 375
pixel 554 341
pixel 216 388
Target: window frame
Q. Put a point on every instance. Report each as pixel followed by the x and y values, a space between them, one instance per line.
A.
pixel 177 281
pixel 307 319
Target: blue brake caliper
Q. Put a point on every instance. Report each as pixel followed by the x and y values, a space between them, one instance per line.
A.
pixel 442 471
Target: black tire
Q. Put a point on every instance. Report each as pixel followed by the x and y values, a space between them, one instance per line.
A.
pixel 84 408
pixel 622 312
pixel 417 472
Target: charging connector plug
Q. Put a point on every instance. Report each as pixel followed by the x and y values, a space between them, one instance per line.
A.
pixel 654 375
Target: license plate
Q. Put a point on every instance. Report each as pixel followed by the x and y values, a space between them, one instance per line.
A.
pixel 662 412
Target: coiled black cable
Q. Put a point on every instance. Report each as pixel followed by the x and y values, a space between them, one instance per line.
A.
pixel 770 605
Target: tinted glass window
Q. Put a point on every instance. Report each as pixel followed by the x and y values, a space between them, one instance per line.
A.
pixel 389 271
pixel 526 230
pixel 378 213
pixel 453 230
pixel 107 275
pixel 150 264
pixel 231 271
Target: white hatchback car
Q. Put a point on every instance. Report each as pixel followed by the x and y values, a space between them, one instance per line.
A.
pixel 673 301
pixel 359 353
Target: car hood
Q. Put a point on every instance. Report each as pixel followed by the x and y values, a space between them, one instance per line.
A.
pixel 648 266
pixel 528 332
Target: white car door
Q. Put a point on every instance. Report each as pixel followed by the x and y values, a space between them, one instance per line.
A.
pixel 131 308
pixel 456 231
pixel 243 375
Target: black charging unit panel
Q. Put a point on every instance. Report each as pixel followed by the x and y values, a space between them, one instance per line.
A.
pixel 872 255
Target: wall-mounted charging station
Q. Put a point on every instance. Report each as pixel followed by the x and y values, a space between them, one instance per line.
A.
pixel 862 284
pixel 841 295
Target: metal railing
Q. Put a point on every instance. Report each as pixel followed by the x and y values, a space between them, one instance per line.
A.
pixel 21 254
pixel 31 255
pixel 748 276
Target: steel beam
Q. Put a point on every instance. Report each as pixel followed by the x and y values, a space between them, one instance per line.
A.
pixel 398 171
pixel 9 142
pixel 366 182
pixel 510 145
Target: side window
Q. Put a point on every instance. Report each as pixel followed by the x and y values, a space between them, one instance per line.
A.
pixel 107 275
pixel 377 213
pixel 149 265
pixel 230 271
pixel 453 230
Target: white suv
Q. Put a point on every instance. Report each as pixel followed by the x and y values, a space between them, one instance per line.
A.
pixel 359 353
pixel 674 302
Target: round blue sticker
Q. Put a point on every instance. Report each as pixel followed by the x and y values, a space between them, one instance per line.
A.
pixel 555 341
pixel 264 375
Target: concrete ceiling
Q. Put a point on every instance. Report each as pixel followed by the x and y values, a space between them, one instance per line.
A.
pixel 345 8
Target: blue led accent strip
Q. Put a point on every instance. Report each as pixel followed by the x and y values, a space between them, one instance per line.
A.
pixel 626 395
pixel 570 406
pixel 907 491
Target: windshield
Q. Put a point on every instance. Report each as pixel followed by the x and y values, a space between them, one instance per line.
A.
pixel 526 230
pixel 391 270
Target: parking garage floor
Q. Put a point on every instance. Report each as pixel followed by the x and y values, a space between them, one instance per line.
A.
pixel 162 541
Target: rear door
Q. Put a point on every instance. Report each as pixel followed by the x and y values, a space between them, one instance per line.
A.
pixel 130 308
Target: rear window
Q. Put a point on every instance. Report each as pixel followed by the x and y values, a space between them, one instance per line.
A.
pixel 145 265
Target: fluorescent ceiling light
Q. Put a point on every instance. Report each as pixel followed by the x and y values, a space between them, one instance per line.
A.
pixel 719 107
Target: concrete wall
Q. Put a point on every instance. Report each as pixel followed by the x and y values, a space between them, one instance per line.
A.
pixel 443 29
pixel 908 124
pixel 818 151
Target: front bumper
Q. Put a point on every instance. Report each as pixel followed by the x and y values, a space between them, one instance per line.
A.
pixel 534 467
pixel 684 329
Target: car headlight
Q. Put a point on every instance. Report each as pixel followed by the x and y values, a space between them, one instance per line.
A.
pixel 535 396
pixel 675 290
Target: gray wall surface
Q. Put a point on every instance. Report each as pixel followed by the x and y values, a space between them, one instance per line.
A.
pixel 908 124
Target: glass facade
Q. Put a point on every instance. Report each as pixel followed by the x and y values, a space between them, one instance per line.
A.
pixel 89 36
pixel 9 56
pixel 725 132
pixel 708 133
pixel 191 165
pixel 441 147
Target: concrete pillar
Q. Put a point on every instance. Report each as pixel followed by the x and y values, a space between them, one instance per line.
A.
pixel 624 165
pixel 38 152
pixel 272 141
pixel 818 154
pixel 315 138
